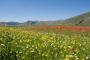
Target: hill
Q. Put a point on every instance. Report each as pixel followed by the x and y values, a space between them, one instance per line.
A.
pixel 9 23
pixel 80 20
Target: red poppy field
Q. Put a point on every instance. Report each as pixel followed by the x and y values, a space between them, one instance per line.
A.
pixel 71 28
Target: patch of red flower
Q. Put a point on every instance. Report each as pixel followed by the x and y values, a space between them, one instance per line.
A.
pixel 72 50
pixel 73 28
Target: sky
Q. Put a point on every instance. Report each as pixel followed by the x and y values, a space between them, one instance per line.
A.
pixel 23 10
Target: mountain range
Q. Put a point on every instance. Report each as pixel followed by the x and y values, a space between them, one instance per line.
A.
pixel 79 20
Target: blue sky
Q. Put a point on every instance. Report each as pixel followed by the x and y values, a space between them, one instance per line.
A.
pixel 23 10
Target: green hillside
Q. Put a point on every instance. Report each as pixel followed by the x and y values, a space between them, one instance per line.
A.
pixel 80 20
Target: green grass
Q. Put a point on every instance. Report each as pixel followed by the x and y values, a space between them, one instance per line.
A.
pixel 19 44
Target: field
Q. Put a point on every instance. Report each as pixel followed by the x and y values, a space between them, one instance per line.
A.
pixel 45 43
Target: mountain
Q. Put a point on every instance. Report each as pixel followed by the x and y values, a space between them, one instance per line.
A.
pixel 80 20
pixel 9 23
pixel 29 22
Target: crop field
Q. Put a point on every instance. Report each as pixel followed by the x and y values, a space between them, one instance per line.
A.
pixel 34 44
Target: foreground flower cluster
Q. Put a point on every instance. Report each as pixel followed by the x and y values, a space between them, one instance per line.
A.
pixel 16 44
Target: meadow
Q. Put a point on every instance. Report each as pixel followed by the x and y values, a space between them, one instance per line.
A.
pixel 41 44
